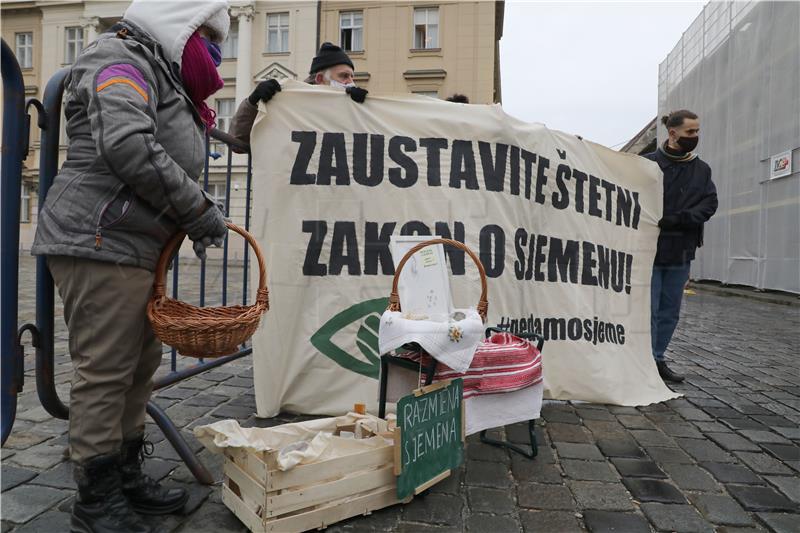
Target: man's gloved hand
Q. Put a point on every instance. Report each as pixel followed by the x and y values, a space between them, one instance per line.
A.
pixel 357 94
pixel 669 222
pixel 208 229
pixel 264 91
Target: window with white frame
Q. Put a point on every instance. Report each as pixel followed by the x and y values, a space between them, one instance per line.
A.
pixel 225 112
pixel 217 190
pixel 351 31
pixel 230 47
pixel 426 27
pixel 25 203
pixel 432 94
pixel 73 43
pixel 25 49
pixel 277 33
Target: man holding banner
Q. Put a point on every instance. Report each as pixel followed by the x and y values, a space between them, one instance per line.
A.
pixel 690 199
pixel 331 66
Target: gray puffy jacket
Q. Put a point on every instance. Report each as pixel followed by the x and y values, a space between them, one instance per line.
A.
pixel 136 148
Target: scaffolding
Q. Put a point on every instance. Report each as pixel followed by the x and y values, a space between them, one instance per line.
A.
pixel 737 67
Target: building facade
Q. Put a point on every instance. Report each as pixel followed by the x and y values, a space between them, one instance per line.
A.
pixel 431 48
pixel 436 49
pixel 644 141
pixel 737 67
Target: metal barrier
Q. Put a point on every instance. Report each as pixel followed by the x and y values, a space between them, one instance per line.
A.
pixel 15 136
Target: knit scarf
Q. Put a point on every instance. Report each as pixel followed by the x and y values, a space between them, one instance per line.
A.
pixel 676 155
pixel 200 77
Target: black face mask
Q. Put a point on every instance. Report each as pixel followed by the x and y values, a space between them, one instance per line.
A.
pixel 688 143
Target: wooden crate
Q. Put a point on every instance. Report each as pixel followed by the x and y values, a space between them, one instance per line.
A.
pixel 311 496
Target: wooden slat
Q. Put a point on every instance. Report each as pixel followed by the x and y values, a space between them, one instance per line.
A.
pixel 249 462
pixel 398 465
pixel 242 512
pixel 330 469
pixel 432 482
pixel 334 512
pixel 432 387
pixel 463 420
pixel 270 459
pixel 327 492
pixel 247 485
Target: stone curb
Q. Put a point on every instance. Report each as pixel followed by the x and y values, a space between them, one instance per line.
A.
pixel 751 293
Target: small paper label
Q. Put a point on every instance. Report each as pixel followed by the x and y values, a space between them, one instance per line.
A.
pixel 428 257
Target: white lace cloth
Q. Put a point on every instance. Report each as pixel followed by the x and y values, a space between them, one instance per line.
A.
pixel 452 342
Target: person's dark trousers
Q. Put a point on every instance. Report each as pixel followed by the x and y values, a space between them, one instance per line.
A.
pixel 666 292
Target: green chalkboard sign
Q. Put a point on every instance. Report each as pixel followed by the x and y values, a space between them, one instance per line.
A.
pixel 431 441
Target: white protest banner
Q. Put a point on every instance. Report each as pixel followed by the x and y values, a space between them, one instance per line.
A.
pixel 565 228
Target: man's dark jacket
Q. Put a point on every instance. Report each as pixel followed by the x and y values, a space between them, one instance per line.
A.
pixel 690 199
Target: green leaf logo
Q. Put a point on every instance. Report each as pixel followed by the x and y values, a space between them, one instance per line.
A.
pixel 358 326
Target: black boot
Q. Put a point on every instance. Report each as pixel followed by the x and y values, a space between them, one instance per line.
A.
pixel 100 506
pixel 144 493
pixel 667 374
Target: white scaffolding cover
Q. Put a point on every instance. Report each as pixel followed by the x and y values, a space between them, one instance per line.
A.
pixel 738 67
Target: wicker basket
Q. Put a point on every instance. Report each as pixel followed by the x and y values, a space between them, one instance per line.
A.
pixel 483 304
pixel 205 331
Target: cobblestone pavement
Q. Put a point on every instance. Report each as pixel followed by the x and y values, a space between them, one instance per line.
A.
pixel 724 457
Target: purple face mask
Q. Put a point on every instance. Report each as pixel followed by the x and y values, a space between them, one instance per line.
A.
pixel 214 51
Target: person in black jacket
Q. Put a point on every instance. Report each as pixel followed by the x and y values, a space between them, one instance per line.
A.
pixel 690 199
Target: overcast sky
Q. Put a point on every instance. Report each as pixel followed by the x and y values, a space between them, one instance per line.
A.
pixel 589 68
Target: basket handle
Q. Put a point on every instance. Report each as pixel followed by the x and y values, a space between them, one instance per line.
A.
pixel 159 286
pixel 483 303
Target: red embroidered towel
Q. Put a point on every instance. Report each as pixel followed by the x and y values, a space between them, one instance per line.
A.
pixel 502 363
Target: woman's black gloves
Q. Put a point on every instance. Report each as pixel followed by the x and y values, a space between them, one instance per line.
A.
pixel 208 229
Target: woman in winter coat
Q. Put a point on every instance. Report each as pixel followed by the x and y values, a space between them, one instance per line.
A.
pixel 136 120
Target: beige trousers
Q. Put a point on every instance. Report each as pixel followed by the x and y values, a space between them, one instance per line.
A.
pixel 113 348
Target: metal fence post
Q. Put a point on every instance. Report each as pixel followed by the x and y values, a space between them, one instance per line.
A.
pixel 45 288
pixel 15 140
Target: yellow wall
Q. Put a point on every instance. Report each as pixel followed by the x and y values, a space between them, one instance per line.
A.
pixel 28 20
pixel 466 47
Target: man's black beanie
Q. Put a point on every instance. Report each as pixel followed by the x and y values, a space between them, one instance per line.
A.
pixel 329 55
